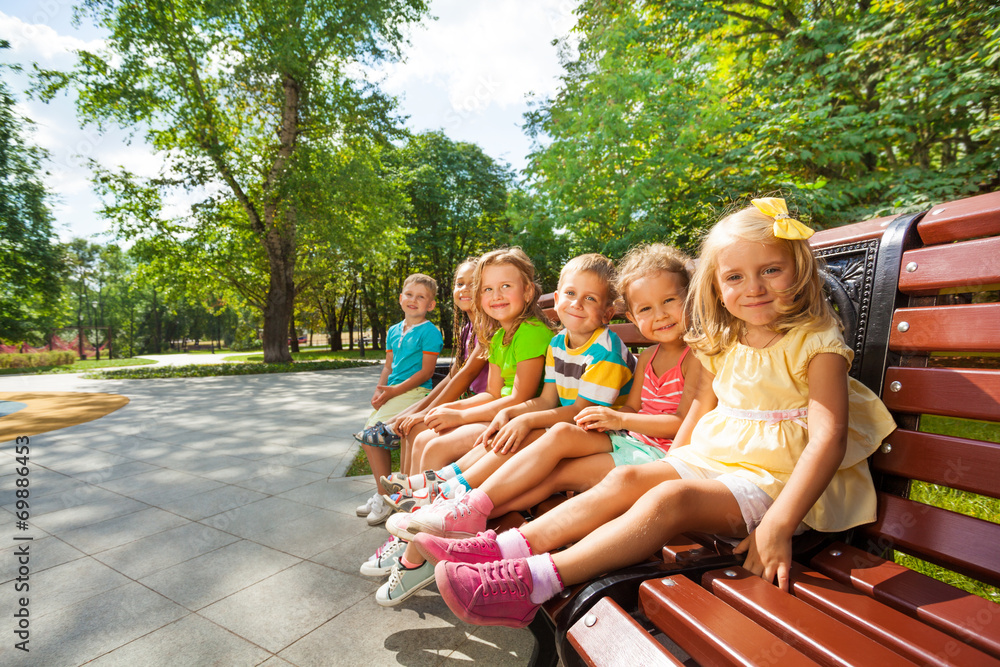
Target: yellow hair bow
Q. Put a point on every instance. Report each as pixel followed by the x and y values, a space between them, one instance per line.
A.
pixel 785 226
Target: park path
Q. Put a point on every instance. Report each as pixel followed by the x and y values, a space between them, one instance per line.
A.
pixel 208 522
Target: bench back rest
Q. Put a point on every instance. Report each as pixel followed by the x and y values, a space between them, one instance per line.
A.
pixel 938 369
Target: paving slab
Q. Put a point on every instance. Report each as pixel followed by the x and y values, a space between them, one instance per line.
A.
pixel 208 521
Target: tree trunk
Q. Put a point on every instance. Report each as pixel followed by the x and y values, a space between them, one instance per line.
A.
pixel 278 309
pixel 292 333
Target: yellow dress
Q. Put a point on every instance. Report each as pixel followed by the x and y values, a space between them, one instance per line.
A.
pixel 749 380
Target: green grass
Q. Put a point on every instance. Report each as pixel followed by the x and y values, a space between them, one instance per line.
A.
pixel 326 354
pixel 212 370
pixel 971 504
pixel 79 366
pixel 359 466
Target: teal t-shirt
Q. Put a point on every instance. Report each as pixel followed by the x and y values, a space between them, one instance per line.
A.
pixel 530 340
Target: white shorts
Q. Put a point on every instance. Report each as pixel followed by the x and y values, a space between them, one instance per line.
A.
pixel 752 500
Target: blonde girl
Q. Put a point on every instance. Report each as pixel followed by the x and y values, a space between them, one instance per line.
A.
pixel 505 303
pixel 781 446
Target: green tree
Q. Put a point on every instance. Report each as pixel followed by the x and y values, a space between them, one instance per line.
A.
pixel 237 97
pixel 31 263
pixel 458 208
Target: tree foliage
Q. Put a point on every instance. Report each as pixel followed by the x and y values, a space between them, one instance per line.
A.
pixel 671 111
pixel 243 101
pixel 31 263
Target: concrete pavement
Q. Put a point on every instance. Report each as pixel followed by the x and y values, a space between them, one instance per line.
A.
pixel 208 522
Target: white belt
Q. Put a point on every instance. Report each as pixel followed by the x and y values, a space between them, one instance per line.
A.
pixel 769 416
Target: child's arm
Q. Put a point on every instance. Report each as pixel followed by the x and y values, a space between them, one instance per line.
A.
pixel 769 547
pixel 377 399
pixel 448 390
pixel 512 424
pixel 703 400
pixel 425 373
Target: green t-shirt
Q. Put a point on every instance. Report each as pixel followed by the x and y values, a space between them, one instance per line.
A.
pixel 530 340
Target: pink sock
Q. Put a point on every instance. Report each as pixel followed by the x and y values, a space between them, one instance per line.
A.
pixel 545 579
pixel 513 545
pixel 407 564
pixel 479 501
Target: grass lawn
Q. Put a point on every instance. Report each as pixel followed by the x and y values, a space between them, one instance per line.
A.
pixel 79 366
pixel 359 466
pixel 212 370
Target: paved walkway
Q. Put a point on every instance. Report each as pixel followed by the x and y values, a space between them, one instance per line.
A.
pixel 207 522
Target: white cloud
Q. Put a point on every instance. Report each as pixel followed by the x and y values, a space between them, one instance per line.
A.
pixel 37 42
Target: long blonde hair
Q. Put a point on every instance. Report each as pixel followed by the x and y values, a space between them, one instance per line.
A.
pixel 485 325
pixel 713 328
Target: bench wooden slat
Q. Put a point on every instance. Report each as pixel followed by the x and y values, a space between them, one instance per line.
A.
pixel 955 612
pixel 848 234
pixel 969 465
pixel 963 219
pixel 969 393
pixel 826 641
pixel 609 636
pixel 971 328
pixel 969 266
pixel 958 542
pixel 889 627
pixel 712 632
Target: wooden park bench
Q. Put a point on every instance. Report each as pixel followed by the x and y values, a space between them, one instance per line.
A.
pixel 918 297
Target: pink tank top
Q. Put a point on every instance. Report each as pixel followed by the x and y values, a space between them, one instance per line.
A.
pixel 661 396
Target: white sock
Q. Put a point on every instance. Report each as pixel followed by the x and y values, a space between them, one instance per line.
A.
pixel 513 545
pixel 449 471
pixel 545 579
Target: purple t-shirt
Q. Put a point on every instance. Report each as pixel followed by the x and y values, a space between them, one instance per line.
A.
pixel 478 385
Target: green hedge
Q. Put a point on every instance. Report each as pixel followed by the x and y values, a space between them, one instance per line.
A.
pixel 36 359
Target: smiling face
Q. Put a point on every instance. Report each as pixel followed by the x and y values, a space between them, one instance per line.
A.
pixel 656 306
pixel 502 293
pixel 462 292
pixel 753 280
pixel 581 304
pixel 416 301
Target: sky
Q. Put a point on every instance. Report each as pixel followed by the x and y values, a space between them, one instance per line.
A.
pixel 470 73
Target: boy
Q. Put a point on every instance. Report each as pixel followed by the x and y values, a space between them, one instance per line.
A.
pixel 586 364
pixel 412 349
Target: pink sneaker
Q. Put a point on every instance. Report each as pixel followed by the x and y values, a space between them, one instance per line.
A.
pixel 400 524
pixel 465 516
pixel 482 548
pixel 497 593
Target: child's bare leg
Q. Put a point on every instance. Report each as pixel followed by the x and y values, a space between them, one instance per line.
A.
pixel 406 459
pixel 380 461
pixel 469 459
pixel 489 461
pixel 450 446
pixel 569 475
pixel 417 451
pixel 578 516
pixel 667 510
pixel 531 465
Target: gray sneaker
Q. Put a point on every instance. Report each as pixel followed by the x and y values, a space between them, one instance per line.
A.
pixel 365 510
pixel 404 583
pixel 381 511
pixel 385 556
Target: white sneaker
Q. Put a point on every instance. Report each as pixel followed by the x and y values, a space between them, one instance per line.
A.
pixel 365 510
pixel 385 556
pixel 403 583
pixel 381 511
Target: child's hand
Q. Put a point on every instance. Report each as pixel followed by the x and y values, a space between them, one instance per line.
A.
pixel 599 418
pixel 510 436
pixel 377 400
pixel 495 425
pixel 769 554
pixel 404 425
pixel 387 392
pixel 441 418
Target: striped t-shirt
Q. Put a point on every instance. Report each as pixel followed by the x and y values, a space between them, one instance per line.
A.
pixel 599 371
pixel 661 396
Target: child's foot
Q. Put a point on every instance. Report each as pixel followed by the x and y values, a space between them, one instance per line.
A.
pixel 403 583
pixel 381 511
pixel 410 501
pixel 394 483
pixel 482 548
pixel 465 516
pixel 365 510
pixel 381 562
pixel 424 479
pixel 399 523
pixel 495 593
